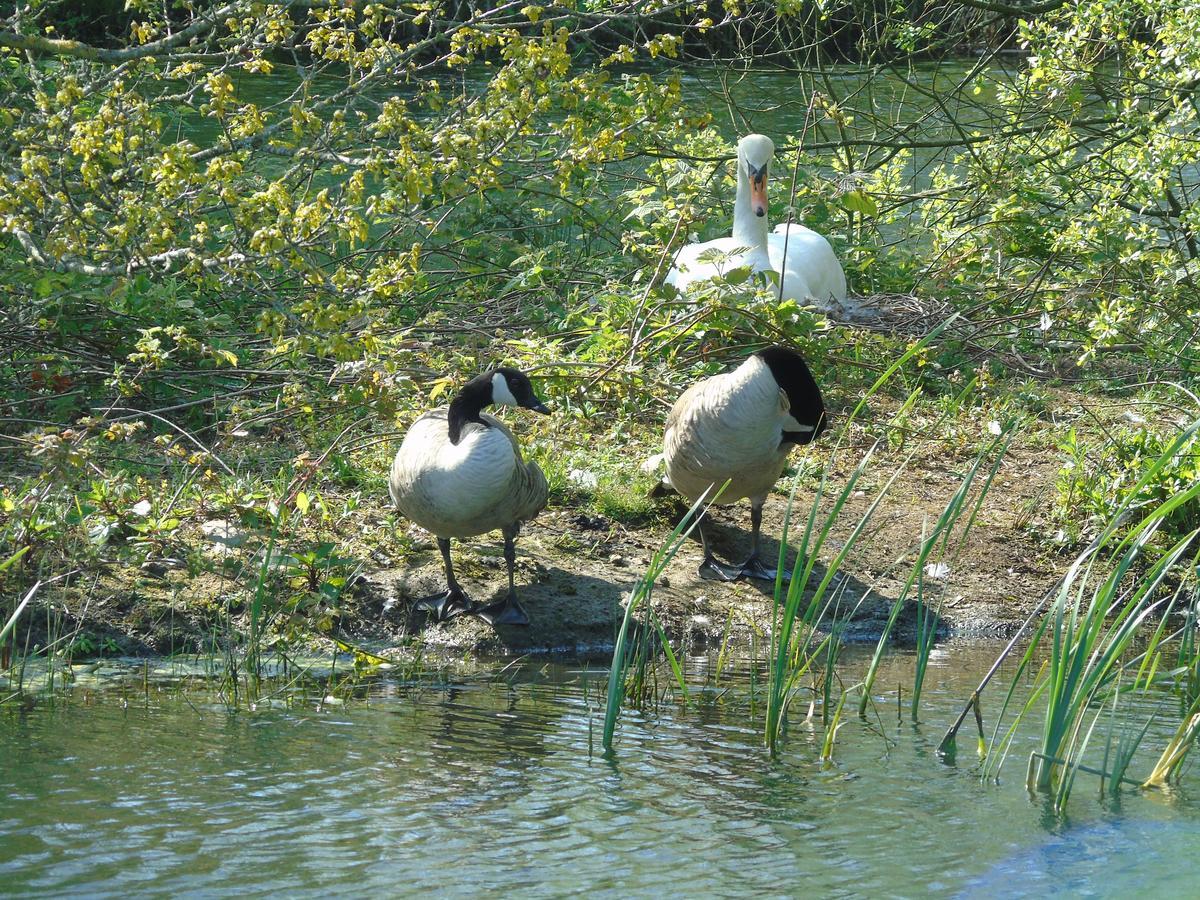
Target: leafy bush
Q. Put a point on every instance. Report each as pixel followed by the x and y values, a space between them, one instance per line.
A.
pixel 1094 483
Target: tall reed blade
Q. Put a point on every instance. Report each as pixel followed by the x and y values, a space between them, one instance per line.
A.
pixel 940 535
pixel 619 668
pixel 794 627
pixel 12 620
pixel 1168 766
pixel 1096 614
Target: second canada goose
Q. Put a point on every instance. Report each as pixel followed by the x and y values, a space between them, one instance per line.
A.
pixel 740 427
pixel 459 472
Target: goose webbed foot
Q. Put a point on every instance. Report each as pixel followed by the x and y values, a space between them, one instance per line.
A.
pixel 753 567
pixel 712 570
pixel 503 612
pixel 446 605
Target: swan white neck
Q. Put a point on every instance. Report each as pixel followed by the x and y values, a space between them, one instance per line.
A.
pixel 749 230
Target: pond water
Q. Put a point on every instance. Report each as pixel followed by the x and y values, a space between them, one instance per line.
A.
pixel 492 782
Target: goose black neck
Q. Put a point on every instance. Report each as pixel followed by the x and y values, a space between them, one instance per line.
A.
pixel 792 375
pixel 468 404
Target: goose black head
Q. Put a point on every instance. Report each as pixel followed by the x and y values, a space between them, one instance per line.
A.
pixel 804 395
pixel 501 387
pixel 511 387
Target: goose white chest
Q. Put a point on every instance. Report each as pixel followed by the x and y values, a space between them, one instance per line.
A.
pixel 455 490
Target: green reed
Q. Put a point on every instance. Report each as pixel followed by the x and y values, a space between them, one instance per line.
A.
pixel 793 624
pixel 1170 762
pixel 630 654
pixel 936 545
pixel 1097 611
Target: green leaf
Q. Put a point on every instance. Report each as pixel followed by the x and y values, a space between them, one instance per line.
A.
pixel 738 275
pixel 12 559
pixel 857 201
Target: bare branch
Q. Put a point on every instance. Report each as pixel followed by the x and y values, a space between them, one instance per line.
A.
pixel 162 262
pixel 205 22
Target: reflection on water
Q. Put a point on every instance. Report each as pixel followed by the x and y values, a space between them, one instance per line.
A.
pixel 488 785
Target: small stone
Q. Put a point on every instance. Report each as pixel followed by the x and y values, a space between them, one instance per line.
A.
pixel 583 478
pixel 223 532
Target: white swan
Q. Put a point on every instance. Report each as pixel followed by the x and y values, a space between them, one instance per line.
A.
pixel 459 472
pixel 811 271
pixel 741 426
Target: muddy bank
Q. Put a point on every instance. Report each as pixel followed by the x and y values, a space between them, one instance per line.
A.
pixel 575 570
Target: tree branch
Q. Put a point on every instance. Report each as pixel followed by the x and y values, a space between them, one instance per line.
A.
pixel 1017 12
pixel 160 261
pixel 79 50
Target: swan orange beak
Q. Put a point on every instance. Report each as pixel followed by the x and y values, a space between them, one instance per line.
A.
pixel 758 190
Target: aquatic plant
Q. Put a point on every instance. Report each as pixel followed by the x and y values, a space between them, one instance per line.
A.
pixel 1170 762
pixel 793 627
pixel 938 539
pixel 632 651
pixel 20 607
pixel 1095 614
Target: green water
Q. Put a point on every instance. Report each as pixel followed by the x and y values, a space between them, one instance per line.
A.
pixel 490 784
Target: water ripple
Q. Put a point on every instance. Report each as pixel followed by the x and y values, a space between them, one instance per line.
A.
pixel 485 787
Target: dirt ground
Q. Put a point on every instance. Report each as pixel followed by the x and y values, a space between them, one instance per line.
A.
pixel 575 570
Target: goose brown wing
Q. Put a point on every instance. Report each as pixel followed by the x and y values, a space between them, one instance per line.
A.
pixel 530 491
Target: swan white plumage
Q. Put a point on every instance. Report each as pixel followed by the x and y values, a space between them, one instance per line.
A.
pixel 740 427
pixel 809 267
pixel 459 472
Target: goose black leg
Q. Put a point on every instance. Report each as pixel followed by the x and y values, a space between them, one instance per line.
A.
pixel 711 569
pixel 507 611
pixel 451 602
pixel 753 567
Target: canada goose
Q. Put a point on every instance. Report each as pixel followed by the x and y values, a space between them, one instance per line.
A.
pixel 459 472
pixel 810 269
pixel 741 426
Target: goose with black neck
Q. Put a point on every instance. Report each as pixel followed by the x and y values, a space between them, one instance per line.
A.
pixel 460 473
pixel 740 427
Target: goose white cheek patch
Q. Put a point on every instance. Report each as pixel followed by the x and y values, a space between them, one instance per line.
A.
pixel 501 395
pixel 790 424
